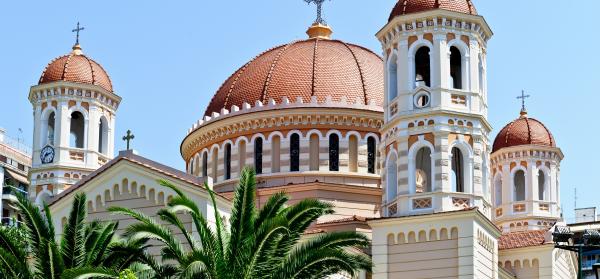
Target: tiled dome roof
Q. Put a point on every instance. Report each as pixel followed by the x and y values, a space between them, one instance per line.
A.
pixel 76 67
pixel 404 7
pixel 313 67
pixel 524 131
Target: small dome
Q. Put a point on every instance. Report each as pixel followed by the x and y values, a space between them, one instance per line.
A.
pixel 313 67
pixel 404 7
pixel 524 131
pixel 78 68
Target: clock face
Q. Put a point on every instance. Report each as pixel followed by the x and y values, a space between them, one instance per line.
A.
pixel 47 155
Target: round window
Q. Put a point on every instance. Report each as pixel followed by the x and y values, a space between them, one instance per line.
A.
pixel 422 100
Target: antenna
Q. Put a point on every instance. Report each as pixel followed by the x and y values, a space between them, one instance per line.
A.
pixel 575 197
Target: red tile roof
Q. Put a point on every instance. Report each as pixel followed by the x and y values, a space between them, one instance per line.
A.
pixel 404 7
pixel 524 131
pixel 78 68
pixel 312 67
pixel 522 239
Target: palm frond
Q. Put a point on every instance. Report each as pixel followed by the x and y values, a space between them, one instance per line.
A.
pixel 73 238
pixel 89 272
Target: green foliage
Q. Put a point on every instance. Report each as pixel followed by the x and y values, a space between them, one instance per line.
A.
pixel 267 243
pixel 127 274
pixel 85 250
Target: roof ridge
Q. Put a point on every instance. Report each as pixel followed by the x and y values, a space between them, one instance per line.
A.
pixel 272 69
pixel 362 78
pixel 91 69
pixel 314 67
pixel 66 66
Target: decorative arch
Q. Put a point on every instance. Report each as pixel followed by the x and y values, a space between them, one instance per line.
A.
pixel 103 135
pixel 416 52
pixel 543 183
pixel 518 178
pixel 275 139
pixel 48 131
pixel 498 189
pixel 391 176
pixel 412 165
pixel 462 168
pixel 77 129
pixel 392 76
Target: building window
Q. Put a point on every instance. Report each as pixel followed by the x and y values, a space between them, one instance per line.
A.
pixel 458 171
pixel 258 155
pixel 455 68
pixel 542 185
pixel 275 154
pixel 498 191
pixel 103 136
pixel 519 181
pixel 313 155
pixel 371 154
pixel 334 152
pixel 423 171
pixel 241 155
pixel 49 135
pixel 227 161
pixel 422 67
pixel 204 164
pixel 353 153
pixel 191 168
pixel 392 78
pixel 391 178
pixel 295 153
pixel 77 129
pixel 215 164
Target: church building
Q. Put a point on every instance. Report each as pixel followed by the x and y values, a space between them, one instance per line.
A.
pixel 400 143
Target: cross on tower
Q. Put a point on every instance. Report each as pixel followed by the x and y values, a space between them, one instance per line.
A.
pixel 319 4
pixel 128 138
pixel 77 31
pixel 523 97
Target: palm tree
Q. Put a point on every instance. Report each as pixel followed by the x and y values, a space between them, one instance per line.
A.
pixel 265 243
pixel 84 250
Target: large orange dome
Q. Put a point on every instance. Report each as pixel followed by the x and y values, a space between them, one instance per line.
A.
pixel 404 7
pixel 78 68
pixel 524 131
pixel 313 67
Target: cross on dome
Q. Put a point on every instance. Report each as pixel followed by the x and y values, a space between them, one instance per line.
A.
pixel 523 97
pixel 319 4
pixel 76 30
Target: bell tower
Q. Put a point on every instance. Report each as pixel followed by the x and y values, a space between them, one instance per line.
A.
pixel 74 110
pixel 436 129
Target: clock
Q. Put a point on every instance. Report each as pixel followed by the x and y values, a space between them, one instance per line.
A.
pixel 47 154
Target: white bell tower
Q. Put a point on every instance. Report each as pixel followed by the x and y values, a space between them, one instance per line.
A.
pixel 436 133
pixel 74 122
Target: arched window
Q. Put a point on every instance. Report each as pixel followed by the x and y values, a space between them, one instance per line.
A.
pixel 191 169
pixel 422 67
pixel 215 164
pixel 458 171
pixel 241 155
pixel 391 178
pixel 258 155
pixel 519 185
pixel 334 152
pixel 103 136
pixel 542 186
pixel 371 154
pixel 455 68
pixel 353 153
pixel 313 155
pixel 49 136
pixel 295 152
pixel 392 78
pixel 423 171
pixel 204 164
pixel 227 161
pixel 275 154
pixel 498 190
pixel 77 129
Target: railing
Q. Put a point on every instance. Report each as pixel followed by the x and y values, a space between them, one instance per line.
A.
pixel 12 190
pixel 10 221
pixel 17 144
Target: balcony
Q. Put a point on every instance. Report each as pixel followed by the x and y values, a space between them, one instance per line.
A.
pixel 10 193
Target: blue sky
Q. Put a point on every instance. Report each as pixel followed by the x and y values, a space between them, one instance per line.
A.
pixel 167 58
